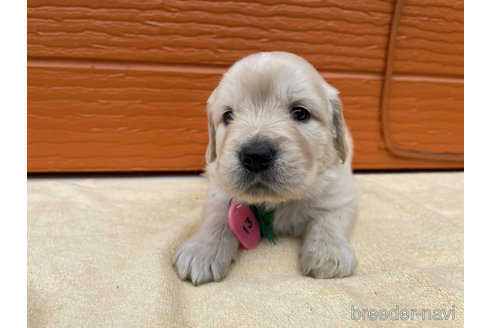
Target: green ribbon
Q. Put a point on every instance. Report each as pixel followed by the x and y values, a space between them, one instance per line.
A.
pixel 265 220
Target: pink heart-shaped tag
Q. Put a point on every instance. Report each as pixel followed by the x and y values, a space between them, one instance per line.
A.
pixel 244 225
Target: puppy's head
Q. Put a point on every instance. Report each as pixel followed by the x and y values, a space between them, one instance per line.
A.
pixel 274 126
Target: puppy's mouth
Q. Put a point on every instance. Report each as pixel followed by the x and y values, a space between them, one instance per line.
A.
pixel 259 172
pixel 259 189
pixel 256 171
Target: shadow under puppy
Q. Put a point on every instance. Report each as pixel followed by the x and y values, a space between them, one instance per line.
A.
pixel 277 138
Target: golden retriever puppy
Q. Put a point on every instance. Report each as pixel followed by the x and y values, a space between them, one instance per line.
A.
pixel 277 139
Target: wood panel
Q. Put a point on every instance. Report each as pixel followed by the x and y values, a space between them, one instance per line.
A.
pixel 333 35
pixel 83 119
pixel 109 117
pixel 121 85
pixel 431 38
pixel 427 116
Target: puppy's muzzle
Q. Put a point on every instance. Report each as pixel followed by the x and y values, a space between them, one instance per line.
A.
pixel 257 157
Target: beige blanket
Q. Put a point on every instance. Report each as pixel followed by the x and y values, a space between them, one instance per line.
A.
pixel 100 252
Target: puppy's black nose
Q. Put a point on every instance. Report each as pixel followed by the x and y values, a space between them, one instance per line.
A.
pixel 257 157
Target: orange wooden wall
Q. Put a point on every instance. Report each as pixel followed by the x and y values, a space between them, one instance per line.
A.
pixel 121 85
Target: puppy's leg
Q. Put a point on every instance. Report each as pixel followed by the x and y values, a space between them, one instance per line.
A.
pixel 326 252
pixel 208 254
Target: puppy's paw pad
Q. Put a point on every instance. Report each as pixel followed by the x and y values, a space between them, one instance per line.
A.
pixel 202 261
pixel 323 259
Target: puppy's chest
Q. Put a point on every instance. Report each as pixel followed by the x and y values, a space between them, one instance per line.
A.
pixel 290 219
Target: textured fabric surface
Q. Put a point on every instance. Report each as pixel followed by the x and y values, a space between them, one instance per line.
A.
pixel 100 255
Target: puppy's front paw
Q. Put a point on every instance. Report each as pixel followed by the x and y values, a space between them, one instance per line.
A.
pixel 202 259
pixel 324 259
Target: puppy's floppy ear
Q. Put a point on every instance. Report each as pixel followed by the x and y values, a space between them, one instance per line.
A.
pixel 338 129
pixel 337 122
pixel 211 153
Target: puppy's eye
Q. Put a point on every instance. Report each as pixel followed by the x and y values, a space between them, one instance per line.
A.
pixel 228 116
pixel 300 114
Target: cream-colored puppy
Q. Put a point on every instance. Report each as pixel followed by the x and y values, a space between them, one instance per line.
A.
pixel 278 138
